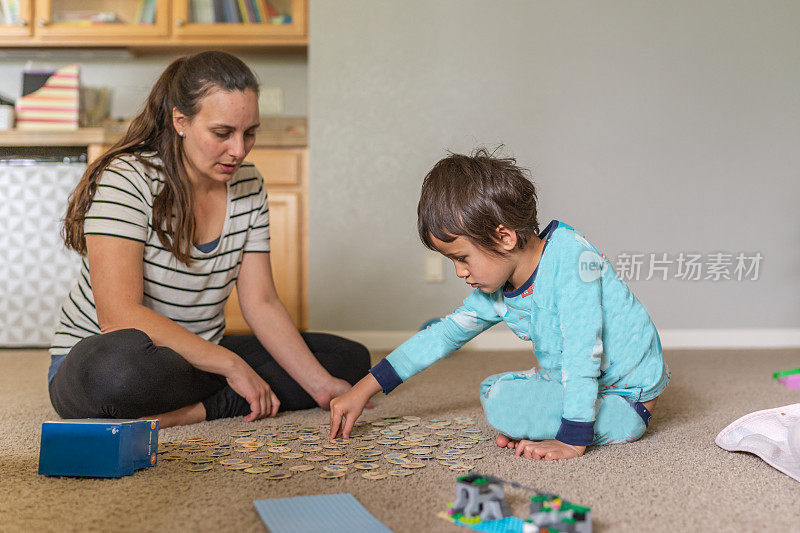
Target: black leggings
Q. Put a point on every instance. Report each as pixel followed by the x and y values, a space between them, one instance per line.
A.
pixel 122 374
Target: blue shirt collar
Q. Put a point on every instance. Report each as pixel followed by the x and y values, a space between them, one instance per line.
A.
pixel 545 234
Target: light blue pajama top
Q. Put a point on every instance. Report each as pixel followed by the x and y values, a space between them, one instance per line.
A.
pixel 587 329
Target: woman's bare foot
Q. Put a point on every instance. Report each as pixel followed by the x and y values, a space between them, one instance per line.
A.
pixel 505 442
pixel 191 414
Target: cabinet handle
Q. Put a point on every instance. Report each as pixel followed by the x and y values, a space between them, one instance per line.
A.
pixel 22 22
pixel 42 23
pixel 180 22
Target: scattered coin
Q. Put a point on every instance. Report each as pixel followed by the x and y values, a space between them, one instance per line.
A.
pixel 419 451
pixel 279 449
pixel 331 475
pixel 220 453
pixel 333 453
pixel 231 461
pixel 316 458
pixel 395 455
pixel 293 455
pixel 365 466
pixel 198 468
pixel 400 473
pixel 371 453
pixel 239 466
pixel 301 468
pixel 452 451
pixel 472 456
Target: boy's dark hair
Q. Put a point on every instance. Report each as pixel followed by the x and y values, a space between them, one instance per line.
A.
pixel 471 195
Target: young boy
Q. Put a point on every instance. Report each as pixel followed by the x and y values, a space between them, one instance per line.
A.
pixel 600 363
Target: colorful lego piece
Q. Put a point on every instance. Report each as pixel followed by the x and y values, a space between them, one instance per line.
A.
pixel 789 378
pixel 480 505
pixel 790 372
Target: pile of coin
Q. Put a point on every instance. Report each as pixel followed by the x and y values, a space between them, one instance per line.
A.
pixel 384 448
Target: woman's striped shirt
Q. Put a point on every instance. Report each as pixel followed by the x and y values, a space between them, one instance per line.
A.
pixel 194 296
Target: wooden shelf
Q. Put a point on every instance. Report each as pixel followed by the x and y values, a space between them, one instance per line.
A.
pixel 279 132
pixel 40 25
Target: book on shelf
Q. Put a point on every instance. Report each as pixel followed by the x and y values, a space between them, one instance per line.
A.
pixel 147 12
pixel 203 12
pixel 10 11
pixel 258 16
pixel 235 11
pixel 244 12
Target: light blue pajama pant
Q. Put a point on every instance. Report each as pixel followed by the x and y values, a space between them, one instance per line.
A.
pixel 528 405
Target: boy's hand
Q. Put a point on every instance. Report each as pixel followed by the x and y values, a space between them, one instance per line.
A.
pixel 549 450
pixel 335 387
pixel 346 408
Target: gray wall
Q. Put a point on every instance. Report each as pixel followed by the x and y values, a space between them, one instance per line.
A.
pixel 649 126
pixel 131 77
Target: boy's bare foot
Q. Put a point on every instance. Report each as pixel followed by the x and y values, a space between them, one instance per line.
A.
pixel 549 450
pixel 505 442
pixel 191 414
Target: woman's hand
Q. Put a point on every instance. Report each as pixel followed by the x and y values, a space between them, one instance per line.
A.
pixel 249 385
pixel 549 450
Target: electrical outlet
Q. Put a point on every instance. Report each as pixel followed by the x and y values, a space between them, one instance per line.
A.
pixel 434 267
pixel 270 101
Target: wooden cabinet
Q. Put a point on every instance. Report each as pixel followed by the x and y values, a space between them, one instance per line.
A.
pixel 56 21
pixel 17 24
pixel 285 174
pixel 149 24
pixel 186 27
pixel 286 255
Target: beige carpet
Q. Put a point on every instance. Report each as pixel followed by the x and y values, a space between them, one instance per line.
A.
pixel 675 478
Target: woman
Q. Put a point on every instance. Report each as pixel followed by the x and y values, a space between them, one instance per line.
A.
pixel 167 221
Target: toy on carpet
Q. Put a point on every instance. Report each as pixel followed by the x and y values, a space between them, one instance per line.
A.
pixel 332 513
pixel 789 378
pixel 97 447
pixel 480 505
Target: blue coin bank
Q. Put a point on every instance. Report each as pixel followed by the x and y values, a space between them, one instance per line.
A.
pixel 97 447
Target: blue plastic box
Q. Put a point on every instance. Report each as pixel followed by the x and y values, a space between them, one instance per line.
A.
pixel 97 447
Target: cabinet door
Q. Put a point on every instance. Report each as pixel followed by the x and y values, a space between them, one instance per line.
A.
pixel 104 21
pixel 279 166
pixel 236 21
pixel 15 20
pixel 285 256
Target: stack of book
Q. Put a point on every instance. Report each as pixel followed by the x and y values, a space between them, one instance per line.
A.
pixel 147 12
pixel 50 100
pixel 9 12
pixel 236 11
pixel 87 18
